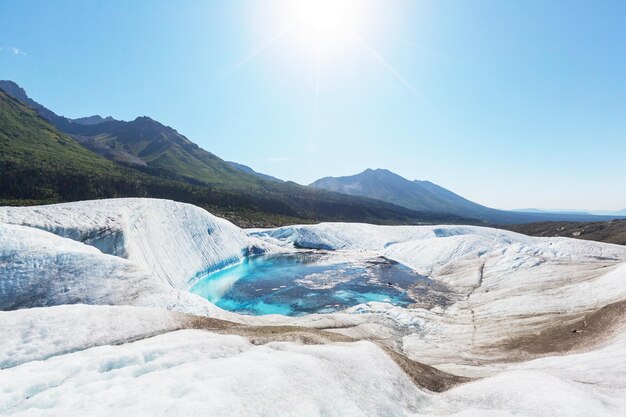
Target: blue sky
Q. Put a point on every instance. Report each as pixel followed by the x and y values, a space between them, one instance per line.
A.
pixel 508 103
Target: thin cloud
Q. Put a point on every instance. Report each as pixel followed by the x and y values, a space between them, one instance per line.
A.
pixel 13 50
pixel 281 159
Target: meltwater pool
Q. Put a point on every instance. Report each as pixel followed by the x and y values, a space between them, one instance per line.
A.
pixel 302 283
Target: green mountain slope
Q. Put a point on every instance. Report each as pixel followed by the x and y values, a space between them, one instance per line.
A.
pixel 39 165
pixel 150 143
pixel 142 142
pixel 26 138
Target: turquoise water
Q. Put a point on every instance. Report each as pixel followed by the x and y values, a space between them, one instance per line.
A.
pixel 304 283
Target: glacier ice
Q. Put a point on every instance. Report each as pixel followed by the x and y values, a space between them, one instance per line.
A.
pixel 92 286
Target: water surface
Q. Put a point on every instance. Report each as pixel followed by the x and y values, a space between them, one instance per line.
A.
pixel 304 283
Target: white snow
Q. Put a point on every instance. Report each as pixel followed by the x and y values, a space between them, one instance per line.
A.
pixel 38 268
pixel 172 241
pixel 37 334
pixel 575 385
pixel 122 251
pixel 193 372
pixel 507 284
pixel 430 248
pixel 527 394
pixel 119 357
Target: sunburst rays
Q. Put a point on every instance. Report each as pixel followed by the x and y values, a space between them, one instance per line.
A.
pixel 319 42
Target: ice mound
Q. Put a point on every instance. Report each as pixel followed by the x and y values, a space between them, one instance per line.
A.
pixel 122 251
pixel 428 248
pixel 169 240
pixel 38 268
pixel 36 334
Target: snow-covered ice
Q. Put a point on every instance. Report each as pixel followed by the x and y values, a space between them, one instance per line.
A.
pixel 193 372
pixel 97 288
pixel 169 240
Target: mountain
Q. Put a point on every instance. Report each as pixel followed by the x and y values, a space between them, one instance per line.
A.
pixel 425 196
pixel 40 164
pixel 47 158
pixel 248 170
pixel 15 91
pixel 26 138
pixel 146 142
pixel 18 92
pixel 142 142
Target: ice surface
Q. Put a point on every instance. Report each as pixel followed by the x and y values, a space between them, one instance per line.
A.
pixel 172 241
pixel 527 394
pixel 105 359
pixel 36 334
pixel 430 248
pixel 194 372
pixel 508 283
pixel 38 268
pixel 121 251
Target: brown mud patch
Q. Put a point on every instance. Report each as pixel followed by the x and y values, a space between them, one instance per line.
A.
pixel 568 335
pixel 424 376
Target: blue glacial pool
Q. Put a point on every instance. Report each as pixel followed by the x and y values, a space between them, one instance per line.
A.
pixel 304 283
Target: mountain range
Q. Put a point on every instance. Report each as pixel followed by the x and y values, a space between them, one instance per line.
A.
pixel 385 185
pixel 49 158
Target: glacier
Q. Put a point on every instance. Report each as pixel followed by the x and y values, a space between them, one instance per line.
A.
pixel 96 312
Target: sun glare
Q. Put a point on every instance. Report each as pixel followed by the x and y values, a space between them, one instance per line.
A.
pixel 325 23
pixel 326 32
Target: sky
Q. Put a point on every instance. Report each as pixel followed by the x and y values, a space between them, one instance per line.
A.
pixel 512 104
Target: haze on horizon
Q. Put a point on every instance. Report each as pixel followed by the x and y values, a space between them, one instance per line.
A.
pixel 516 104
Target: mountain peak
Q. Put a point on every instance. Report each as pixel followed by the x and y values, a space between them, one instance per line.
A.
pixel 383 184
pixel 93 120
pixel 380 172
pixel 382 175
pixel 377 170
pixel 144 119
pixel 148 122
pixel 13 89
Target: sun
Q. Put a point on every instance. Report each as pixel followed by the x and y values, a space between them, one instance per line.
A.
pixel 324 33
pixel 326 24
